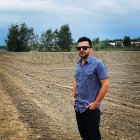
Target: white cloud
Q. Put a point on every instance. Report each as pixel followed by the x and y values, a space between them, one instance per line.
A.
pixel 92 8
pixel 20 5
pixel 40 6
pixel 120 7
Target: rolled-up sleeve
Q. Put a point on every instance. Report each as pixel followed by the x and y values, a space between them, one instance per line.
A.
pixel 102 70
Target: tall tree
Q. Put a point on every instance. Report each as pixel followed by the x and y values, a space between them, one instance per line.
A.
pixel 95 41
pixel 96 44
pixel 46 40
pixel 13 38
pixel 33 42
pixel 55 40
pixel 127 41
pixel 65 38
pixel 19 37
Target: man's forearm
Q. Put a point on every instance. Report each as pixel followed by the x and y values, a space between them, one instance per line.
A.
pixel 104 89
pixel 74 92
pixel 102 93
pixel 74 89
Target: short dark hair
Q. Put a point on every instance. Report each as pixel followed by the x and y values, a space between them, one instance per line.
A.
pixel 85 39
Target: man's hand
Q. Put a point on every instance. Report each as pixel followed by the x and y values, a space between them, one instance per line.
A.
pixel 93 105
pixel 74 92
pixel 104 89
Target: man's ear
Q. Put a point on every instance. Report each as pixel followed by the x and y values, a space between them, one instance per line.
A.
pixel 91 50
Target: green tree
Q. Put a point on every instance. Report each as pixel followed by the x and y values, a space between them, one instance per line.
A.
pixel 65 38
pixel 127 41
pixel 55 40
pixel 19 38
pixel 105 44
pixel 13 38
pixel 96 44
pixel 34 42
pixel 95 41
pixel 49 40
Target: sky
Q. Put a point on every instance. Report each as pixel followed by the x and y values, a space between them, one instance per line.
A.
pixel 106 19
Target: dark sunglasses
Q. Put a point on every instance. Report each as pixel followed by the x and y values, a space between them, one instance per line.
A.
pixel 83 48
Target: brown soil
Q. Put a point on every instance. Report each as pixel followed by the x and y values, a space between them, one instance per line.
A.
pixel 36 90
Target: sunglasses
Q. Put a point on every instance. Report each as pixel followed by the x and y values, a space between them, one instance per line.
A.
pixel 83 48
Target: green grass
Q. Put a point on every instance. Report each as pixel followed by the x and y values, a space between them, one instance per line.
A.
pixel 121 49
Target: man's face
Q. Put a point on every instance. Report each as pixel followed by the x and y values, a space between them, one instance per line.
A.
pixel 84 49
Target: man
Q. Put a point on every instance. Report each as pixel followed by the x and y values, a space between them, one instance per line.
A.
pixel 89 88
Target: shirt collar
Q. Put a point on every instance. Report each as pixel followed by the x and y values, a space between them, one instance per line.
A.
pixel 88 60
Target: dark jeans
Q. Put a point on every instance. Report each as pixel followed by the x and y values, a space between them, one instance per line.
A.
pixel 88 124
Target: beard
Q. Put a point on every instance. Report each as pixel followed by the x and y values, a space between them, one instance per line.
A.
pixel 83 55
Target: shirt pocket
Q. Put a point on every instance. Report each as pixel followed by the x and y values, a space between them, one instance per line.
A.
pixel 90 78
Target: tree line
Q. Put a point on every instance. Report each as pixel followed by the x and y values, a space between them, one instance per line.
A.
pixel 21 38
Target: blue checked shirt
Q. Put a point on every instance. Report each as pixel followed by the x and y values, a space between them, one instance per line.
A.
pixel 88 78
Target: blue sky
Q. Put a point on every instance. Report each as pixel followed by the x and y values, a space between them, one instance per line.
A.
pixel 106 19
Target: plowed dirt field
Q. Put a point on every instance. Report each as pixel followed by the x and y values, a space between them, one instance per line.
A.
pixel 36 90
